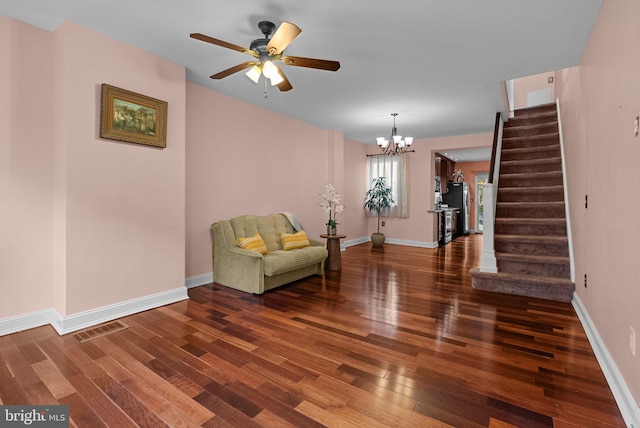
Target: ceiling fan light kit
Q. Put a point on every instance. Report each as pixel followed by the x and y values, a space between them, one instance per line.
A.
pixel 267 52
pixel 395 145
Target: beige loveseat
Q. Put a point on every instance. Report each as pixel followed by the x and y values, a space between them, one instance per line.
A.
pixel 253 272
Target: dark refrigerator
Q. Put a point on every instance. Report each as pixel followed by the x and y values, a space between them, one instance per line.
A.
pixel 457 196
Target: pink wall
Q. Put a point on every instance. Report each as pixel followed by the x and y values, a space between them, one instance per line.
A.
pixel 356 176
pixel 95 222
pixel 25 168
pixel 124 202
pixel 599 101
pixel 236 169
pixel 524 85
pixel 470 169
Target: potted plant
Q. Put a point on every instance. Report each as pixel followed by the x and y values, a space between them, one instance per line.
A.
pixel 376 199
pixel 332 204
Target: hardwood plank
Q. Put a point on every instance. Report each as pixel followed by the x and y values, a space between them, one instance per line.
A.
pixel 81 413
pixel 100 402
pixel 55 381
pixel 129 403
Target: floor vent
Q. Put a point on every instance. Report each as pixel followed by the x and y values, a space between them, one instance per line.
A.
pixel 99 331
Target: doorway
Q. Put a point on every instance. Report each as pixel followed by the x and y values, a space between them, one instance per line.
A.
pixel 481 180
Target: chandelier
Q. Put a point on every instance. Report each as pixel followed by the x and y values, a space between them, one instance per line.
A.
pixel 395 145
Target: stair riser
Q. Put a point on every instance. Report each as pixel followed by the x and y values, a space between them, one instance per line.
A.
pixel 530 212
pixel 529 248
pixel 525 196
pixel 534 119
pixel 532 111
pixel 525 131
pixel 547 270
pixel 530 167
pixel 530 229
pixel 539 153
pixel 532 141
pixel 507 180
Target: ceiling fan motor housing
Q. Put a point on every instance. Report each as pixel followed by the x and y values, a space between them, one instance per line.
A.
pixel 267 28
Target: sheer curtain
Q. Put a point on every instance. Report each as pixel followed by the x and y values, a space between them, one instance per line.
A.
pixel 396 171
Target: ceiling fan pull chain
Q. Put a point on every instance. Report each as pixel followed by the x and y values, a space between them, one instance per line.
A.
pixel 265 88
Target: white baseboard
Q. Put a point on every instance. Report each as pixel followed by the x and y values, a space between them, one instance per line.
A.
pixel 421 244
pixel 625 400
pixel 198 280
pixel 67 324
pixel 364 239
pixel 357 241
pixel 26 321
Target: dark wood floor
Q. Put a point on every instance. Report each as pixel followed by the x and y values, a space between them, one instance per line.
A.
pixel 398 338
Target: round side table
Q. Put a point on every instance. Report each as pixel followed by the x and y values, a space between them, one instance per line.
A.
pixel 334 260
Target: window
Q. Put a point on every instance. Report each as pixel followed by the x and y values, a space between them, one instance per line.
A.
pixel 396 171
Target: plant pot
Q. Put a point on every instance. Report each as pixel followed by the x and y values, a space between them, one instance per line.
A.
pixel 377 239
pixel 331 230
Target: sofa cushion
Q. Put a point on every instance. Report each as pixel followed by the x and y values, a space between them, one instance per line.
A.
pixel 254 242
pixel 270 227
pixel 280 261
pixel 292 241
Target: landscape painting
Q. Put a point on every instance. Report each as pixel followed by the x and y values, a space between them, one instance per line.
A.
pixel 131 117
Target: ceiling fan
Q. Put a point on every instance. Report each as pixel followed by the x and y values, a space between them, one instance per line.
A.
pixel 266 52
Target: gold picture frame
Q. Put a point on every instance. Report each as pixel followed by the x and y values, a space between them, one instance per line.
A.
pixel 133 118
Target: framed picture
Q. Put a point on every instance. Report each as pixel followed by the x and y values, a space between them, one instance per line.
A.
pixel 134 118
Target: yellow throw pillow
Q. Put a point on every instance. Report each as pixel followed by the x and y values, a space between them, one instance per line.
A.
pixel 255 243
pixel 295 240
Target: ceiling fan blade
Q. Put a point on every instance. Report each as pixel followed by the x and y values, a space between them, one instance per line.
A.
pixel 234 69
pixel 321 64
pixel 285 85
pixel 283 36
pixel 222 43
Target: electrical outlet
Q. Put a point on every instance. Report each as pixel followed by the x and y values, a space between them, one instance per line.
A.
pixel 382 224
pixel 632 341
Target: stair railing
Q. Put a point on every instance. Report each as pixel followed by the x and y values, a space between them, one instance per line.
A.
pixel 490 193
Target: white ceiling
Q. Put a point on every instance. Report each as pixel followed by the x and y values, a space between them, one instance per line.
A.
pixel 469 155
pixel 438 64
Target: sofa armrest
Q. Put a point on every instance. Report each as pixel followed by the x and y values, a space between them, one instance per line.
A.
pixel 234 266
pixel 316 243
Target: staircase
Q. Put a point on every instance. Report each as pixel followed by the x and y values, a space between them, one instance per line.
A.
pixel 531 245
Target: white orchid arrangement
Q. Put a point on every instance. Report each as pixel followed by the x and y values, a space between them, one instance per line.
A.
pixel 332 204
